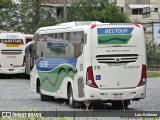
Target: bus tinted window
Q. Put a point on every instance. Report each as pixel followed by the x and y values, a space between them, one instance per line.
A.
pixel 60 44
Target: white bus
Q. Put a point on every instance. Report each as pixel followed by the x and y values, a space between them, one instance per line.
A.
pixel 29 57
pixel 28 37
pixel 97 62
pixel 12 53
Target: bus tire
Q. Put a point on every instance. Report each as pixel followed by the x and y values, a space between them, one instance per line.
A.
pixel 46 98
pixel 126 104
pixel 70 97
pixel 43 97
pixel 120 104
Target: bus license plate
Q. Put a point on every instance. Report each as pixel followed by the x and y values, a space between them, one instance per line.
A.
pixel 117 95
pixel 11 69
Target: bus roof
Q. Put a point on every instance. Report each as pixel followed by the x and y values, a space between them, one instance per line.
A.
pixel 69 25
pixel 10 32
pixel 79 24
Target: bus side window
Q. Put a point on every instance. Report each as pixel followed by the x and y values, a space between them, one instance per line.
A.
pixel 38 45
pixel 84 40
pixel 41 54
pixel 78 44
pixel 69 49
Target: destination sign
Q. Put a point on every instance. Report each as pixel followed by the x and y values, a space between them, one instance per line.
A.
pixel 102 31
pixel 11 41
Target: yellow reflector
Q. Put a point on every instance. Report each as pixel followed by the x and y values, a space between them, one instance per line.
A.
pixel 12 45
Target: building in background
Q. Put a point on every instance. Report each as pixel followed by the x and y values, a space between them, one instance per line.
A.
pixel 57 5
pixel 134 9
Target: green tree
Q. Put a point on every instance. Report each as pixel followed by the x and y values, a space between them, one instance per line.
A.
pixel 26 17
pixel 153 52
pixel 99 10
pixel 34 16
pixel 5 3
pixel 9 16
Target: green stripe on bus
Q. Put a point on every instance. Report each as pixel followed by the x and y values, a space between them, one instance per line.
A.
pixel 51 81
pixel 114 39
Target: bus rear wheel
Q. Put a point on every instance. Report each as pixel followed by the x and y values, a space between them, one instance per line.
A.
pixel 43 97
pixel 46 97
pixel 121 104
pixel 70 97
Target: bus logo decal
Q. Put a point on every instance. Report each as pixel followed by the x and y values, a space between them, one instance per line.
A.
pixel 11 41
pixel 43 64
pixel 60 70
pixel 114 35
pixel 117 59
pixel 103 31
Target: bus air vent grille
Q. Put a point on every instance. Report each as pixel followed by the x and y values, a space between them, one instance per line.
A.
pixel 11 52
pixel 117 58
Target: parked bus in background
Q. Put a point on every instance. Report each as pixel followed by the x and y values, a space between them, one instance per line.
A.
pixel 12 53
pixel 29 57
pixel 28 38
pixel 28 53
pixel 102 62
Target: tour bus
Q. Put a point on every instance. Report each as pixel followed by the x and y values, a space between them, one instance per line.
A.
pixel 28 53
pixel 28 37
pixel 29 57
pixel 12 53
pixel 94 62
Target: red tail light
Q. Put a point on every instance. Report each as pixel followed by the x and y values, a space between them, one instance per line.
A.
pixel 137 25
pixel 143 76
pixel 93 26
pixel 24 62
pixel 90 78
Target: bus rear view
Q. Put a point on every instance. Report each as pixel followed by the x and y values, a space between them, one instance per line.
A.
pixel 12 53
pixel 118 59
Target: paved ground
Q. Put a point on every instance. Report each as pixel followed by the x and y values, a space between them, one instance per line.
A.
pixel 16 95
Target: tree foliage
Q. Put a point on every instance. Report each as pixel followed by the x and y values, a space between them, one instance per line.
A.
pixel 96 10
pixel 30 15
pixel 8 15
pixel 5 3
pixel 153 52
pixel 26 17
pixel 34 16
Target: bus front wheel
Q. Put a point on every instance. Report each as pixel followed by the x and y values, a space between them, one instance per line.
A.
pixel 70 97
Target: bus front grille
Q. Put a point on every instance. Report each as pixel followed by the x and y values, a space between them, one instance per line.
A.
pixel 117 58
